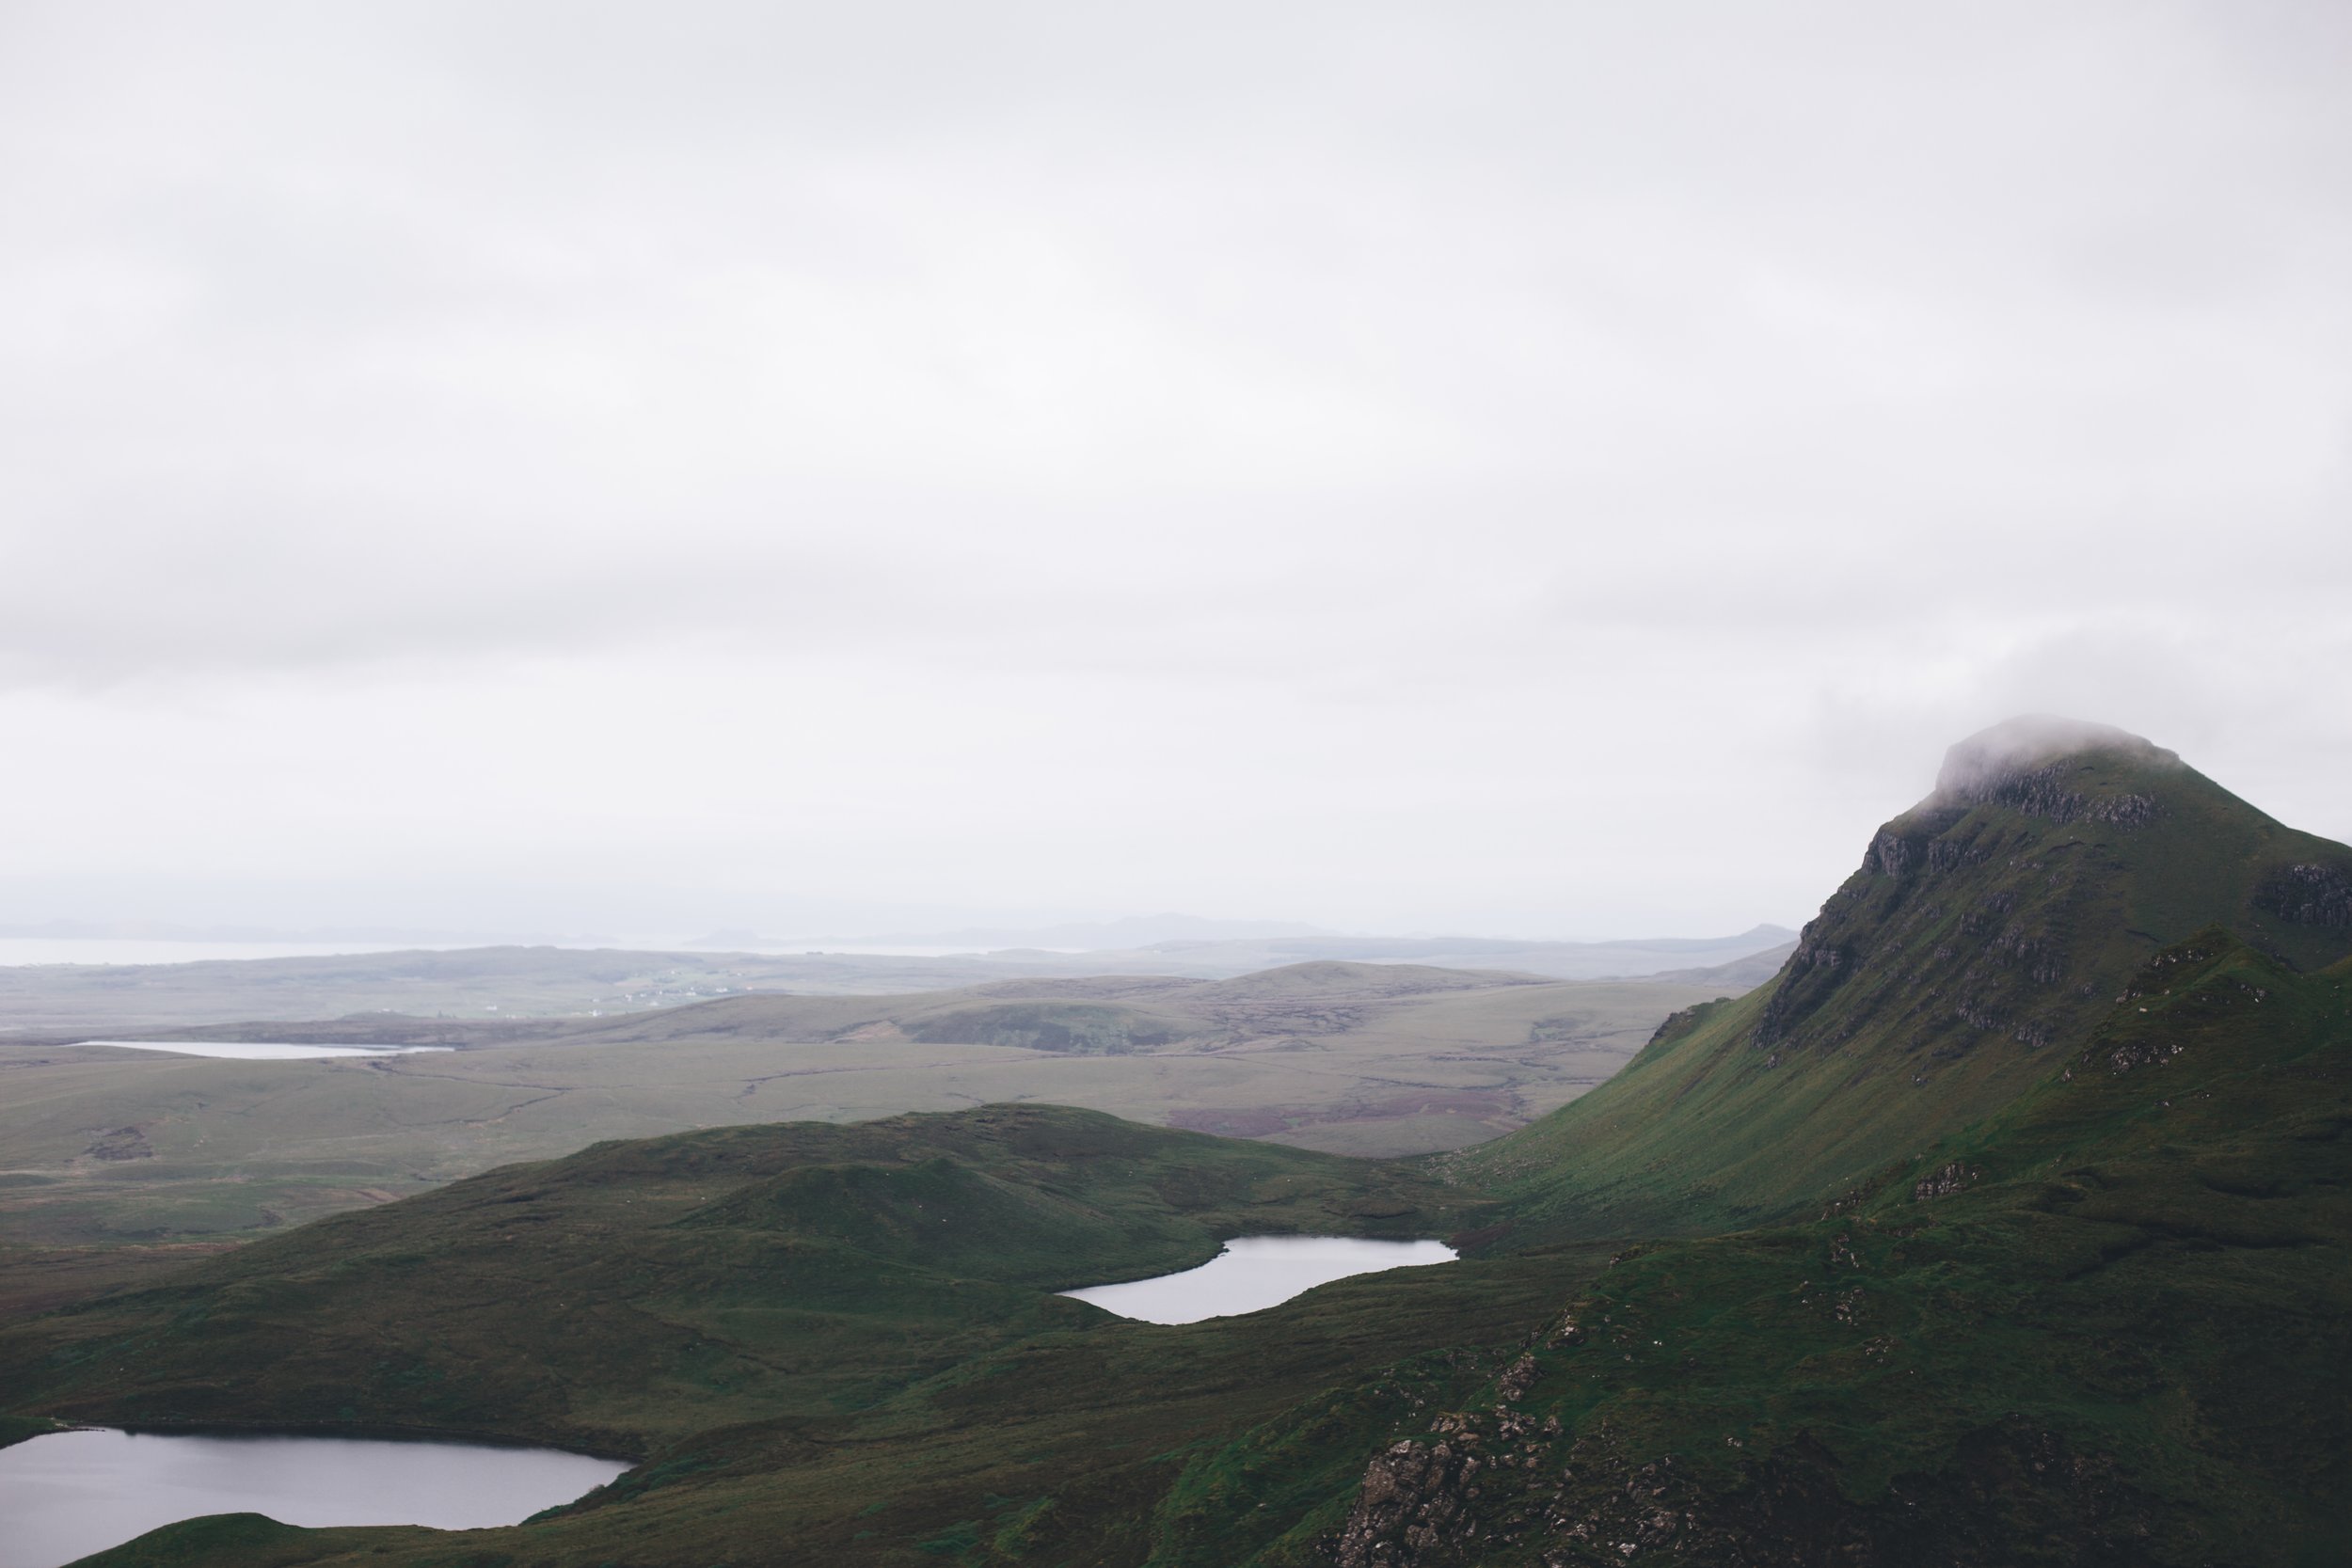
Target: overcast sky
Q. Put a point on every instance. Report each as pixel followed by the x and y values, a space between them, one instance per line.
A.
pixel 1547 469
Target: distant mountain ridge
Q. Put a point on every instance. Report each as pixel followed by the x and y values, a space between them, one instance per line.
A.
pixel 513 982
pixel 1621 959
pixel 1119 935
pixel 1182 944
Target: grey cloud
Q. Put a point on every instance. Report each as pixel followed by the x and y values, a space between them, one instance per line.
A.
pixel 1484 405
pixel 1976 765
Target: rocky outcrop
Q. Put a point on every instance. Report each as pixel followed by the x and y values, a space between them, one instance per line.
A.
pixel 1943 1183
pixel 1418 1506
pixel 2029 765
pixel 2308 893
pixel 2045 793
pixel 1961 926
pixel 1681 1021
pixel 123 1143
pixel 1818 967
pixel 2144 1052
pixel 1411 1507
pixel 1434 1506
pixel 1916 845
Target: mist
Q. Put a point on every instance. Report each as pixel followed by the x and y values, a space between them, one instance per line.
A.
pixel 1537 471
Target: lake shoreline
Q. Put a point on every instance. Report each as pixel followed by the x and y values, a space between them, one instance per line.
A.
pixel 356 1432
pixel 72 1494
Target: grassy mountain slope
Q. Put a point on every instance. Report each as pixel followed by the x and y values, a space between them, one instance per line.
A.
pixel 2012 1225
pixel 835 1336
pixel 1987 925
pixel 2110 1324
pixel 1059 1447
pixel 638 1291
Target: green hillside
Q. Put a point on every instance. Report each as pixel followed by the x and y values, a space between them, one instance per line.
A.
pixel 638 1291
pixel 835 1337
pixel 2012 1225
pixel 1988 926
pixel 2112 1324
pixel 115 1162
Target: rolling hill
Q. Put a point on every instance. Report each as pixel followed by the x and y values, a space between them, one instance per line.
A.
pixel 135 1155
pixel 2011 1224
pixel 427 992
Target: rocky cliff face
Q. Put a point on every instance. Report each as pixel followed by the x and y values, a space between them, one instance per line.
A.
pixel 2308 893
pixel 1984 928
pixel 2050 859
pixel 2022 764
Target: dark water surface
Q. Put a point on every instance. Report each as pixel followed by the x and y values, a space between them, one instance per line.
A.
pixel 70 1494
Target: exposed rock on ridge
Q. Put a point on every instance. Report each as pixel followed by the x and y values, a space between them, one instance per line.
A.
pixel 1984 929
pixel 2308 894
pixel 1997 763
pixel 1974 916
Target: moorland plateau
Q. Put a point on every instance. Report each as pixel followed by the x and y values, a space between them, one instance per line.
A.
pixel 425 993
pixel 116 1162
pixel 2007 1223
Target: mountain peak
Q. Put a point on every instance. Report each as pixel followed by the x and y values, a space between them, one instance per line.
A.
pixel 1981 767
pixel 1987 931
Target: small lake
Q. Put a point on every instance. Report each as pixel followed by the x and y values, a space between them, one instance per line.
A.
pixel 257 1050
pixel 1254 1272
pixel 70 1494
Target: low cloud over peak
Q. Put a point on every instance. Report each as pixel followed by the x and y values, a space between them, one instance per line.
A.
pixel 1975 765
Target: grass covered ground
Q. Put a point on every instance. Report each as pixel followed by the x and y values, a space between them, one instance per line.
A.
pixel 134 1153
pixel 2111 1323
pixel 840 1333
pixel 636 1292
pixel 2011 1224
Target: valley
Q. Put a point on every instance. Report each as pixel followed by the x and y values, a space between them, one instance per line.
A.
pixel 112 1159
pixel 2007 1223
